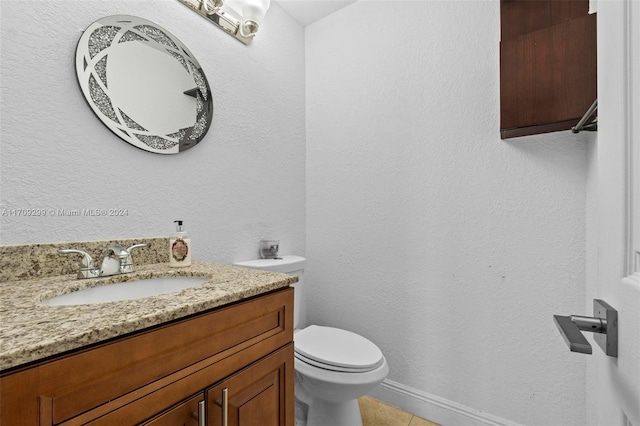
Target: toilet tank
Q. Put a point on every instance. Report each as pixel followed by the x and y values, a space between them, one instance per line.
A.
pixel 293 265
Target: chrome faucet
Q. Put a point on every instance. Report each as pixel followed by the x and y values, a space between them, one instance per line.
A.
pixel 117 261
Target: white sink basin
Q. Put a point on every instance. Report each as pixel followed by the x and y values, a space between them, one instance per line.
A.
pixel 126 291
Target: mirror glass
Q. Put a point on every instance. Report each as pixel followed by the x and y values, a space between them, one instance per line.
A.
pixel 144 84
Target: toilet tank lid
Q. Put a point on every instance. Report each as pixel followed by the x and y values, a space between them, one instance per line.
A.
pixel 289 263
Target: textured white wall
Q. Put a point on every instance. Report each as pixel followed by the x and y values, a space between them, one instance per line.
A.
pixel 448 247
pixel 243 182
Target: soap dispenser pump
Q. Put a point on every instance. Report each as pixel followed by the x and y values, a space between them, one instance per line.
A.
pixel 179 247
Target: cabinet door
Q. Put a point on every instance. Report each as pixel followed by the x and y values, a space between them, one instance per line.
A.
pixel 548 67
pixel 260 395
pixel 189 413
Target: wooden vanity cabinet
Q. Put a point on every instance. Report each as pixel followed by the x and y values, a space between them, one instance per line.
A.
pixel 169 374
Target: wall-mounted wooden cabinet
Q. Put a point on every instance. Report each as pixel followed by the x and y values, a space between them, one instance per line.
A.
pixel 547 65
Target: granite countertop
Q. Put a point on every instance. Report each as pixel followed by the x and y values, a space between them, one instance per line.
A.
pixel 31 330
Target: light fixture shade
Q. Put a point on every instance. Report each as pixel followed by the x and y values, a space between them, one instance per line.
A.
pixel 254 10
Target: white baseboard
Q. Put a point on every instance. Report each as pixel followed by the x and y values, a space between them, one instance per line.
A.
pixel 434 408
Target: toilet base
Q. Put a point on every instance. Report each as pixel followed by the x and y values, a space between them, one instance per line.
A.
pixel 322 413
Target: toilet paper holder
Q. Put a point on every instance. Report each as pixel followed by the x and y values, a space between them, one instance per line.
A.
pixel 604 325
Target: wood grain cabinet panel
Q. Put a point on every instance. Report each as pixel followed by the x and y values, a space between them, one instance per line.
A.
pixel 256 396
pixel 548 62
pixel 184 414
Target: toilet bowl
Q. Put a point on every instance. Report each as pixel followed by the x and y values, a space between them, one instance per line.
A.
pixel 333 367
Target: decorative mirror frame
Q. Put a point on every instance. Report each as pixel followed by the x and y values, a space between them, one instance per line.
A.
pixel 91 69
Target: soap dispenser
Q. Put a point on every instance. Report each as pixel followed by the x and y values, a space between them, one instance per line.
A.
pixel 179 247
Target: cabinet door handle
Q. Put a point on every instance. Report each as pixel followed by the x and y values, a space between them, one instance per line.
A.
pixel 225 406
pixel 199 415
pixel 202 420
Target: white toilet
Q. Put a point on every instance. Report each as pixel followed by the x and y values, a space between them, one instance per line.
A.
pixel 333 367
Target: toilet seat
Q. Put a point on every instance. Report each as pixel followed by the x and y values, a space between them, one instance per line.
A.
pixel 336 350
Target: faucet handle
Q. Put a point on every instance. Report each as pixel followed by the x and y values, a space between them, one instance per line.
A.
pixel 87 267
pixel 135 246
pixel 86 262
pixel 128 265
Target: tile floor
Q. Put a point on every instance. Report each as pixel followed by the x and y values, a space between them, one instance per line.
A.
pixel 377 413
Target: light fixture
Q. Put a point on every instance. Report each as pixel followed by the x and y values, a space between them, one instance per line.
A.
pixel 239 18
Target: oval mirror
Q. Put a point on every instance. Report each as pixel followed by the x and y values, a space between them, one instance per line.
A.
pixel 144 84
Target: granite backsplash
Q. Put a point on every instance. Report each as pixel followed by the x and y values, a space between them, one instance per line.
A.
pixel 29 261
